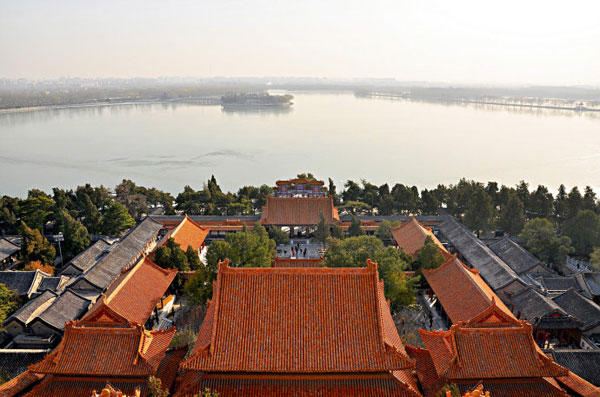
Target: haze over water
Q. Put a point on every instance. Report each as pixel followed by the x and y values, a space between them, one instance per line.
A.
pixel 331 135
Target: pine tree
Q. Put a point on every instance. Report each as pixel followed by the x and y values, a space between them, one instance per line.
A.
pixel 355 228
pixel 512 215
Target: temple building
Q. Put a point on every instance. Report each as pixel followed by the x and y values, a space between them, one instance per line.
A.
pixel 103 347
pixel 496 350
pixel 460 291
pixel 298 331
pixel 411 235
pixel 186 233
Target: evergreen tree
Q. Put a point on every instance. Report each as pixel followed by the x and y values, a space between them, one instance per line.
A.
pixel 332 192
pixel 192 258
pixel 574 203
pixel 589 200
pixel 337 232
pixel 429 256
pixel 584 231
pixel 541 202
pixel 540 238
pixel 279 236
pixel 75 234
pixel 384 231
pixel 429 203
pixel 478 216
pixel 561 207
pixel 92 217
pixel 512 215
pixel 9 302
pixel 35 247
pixel 355 228
pixel 322 232
pixel 116 220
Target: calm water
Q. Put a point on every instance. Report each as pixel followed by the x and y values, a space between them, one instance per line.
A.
pixel 332 135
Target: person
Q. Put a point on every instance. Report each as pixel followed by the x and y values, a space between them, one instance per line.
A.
pixel 305 252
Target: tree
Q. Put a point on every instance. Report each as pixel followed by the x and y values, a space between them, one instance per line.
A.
pixel 116 219
pixel 356 207
pixel 354 252
pixel 574 203
pixel 337 232
pixel 429 203
pixel 155 388
pixel 9 302
pixel 35 247
pixel 384 231
pixel 540 238
pixel 132 197
pixel 279 236
pixel 541 202
pixel 332 192
pixel 584 231
pixel 36 210
pixel 352 191
pixel 479 214
pixel 192 258
pixel 92 217
pixel 561 208
pixel 522 191
pixel 76 235
pixel 590 200
pixel 322 232
pixel 429 256
pixel 171 256
pixel 247 248
pixel 512 215
pixel 198 288
pixel 37 265
pixel 595 259
pixel 355 228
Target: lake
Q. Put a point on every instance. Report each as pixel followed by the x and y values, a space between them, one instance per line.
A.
pixel 333 135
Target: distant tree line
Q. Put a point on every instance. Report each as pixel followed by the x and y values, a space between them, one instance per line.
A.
pixel 481 207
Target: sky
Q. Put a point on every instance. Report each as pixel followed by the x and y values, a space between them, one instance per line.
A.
pixel 466 42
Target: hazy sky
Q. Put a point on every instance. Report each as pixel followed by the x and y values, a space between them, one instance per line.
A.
pixel 522 41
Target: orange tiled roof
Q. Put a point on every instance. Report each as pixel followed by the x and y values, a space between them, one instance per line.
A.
pixel 507 387
pixel 300 262
pixel 298 211
pixel 299 181
pixel 137 290
pixel 53 386
pixel 298 320
pixel 187 233
pixel 105 350
pixel 580 386
pixel 411 235
pixel 19 383
pixel 461 290
pixel 491 345
pixel 376 385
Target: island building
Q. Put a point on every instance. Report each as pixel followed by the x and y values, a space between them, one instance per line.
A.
pixel 298 331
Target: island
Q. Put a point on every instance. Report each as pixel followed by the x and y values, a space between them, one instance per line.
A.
pixel 256 100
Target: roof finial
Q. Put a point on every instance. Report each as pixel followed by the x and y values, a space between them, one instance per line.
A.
pixel 223 264
pixel 371 264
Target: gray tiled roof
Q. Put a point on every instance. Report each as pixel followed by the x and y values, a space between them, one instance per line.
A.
pixel 515 256
pixel 493 269
pixel 560 284
pixel 68 306
pixel 25 313
pixel 50 283
pixel 90 256
pixel 19 281
pixel 207 218
pixel 7 248
pixel 533 305
pixel 579 306
pixel 122 253
pixel 584 363
pixel 592 281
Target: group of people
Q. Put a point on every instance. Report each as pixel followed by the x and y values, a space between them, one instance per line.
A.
pixel 296 251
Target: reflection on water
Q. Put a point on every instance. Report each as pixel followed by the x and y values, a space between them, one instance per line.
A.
pixel 331 135
pixel 261 110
